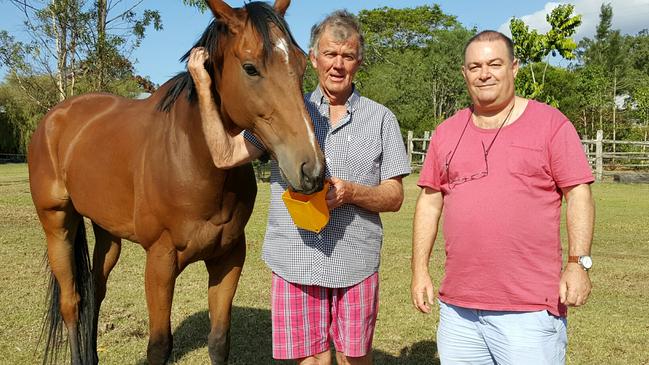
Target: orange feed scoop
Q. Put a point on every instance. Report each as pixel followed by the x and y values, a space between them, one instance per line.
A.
pixel 309 212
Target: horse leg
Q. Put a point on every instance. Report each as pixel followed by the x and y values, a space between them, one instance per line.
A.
pixel 224 276
pixel 73 298
pixel 160 278
pixel 104 258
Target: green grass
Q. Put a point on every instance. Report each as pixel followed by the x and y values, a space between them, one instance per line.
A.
pixel 613 328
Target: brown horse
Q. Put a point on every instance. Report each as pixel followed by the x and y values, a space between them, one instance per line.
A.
pixel 143 170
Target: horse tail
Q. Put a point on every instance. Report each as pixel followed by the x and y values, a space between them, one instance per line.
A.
pixel 86 336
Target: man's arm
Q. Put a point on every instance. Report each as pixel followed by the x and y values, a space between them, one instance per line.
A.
pixel 575 285
pixel 424 231
pixel 227 151
pixel 385 197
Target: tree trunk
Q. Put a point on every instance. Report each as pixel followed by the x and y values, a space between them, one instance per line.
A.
pixel 102 11
pixel 61 51
pixel 614 105
pixel 74 19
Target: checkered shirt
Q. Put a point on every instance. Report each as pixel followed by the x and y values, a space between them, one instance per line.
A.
pixel 365 147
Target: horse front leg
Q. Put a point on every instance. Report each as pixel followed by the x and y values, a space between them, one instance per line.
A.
pixel 160 277
pixel 224 276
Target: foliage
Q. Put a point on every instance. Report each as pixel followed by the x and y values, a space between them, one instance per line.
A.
pixel 74 47
pixel 77 41
pixel 412 63
pixel 531 48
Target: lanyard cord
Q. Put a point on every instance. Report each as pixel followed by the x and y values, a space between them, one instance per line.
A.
pixel 486 151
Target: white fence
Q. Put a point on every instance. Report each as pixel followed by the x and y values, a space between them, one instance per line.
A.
pixel 607 157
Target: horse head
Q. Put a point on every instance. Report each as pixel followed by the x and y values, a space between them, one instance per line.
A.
pixel 257 72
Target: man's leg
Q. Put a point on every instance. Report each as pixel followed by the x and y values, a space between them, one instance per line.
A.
pixel 300 320
pixel 459 339
pixel 353 313
pixel 525 337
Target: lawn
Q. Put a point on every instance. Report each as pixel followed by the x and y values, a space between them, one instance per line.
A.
pixel 613 328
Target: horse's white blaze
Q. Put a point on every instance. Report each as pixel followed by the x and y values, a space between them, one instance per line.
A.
pixel 312 139
pixel 282 47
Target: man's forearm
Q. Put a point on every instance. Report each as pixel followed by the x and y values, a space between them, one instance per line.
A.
pixel 226 150
pixel 424 232
pixel 218 140
pixel 386 197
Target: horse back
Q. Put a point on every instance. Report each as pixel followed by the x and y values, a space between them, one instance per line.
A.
pixel 85 150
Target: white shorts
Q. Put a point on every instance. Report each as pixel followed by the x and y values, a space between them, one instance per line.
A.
pixel 470 336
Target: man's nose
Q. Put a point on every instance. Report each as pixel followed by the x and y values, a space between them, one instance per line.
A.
pixel 485 73
pixel 338 62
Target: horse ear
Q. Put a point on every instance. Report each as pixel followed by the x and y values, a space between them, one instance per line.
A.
pixel 281 6
pixel 223 11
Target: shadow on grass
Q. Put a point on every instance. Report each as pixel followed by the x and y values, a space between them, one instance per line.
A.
pixel 251 341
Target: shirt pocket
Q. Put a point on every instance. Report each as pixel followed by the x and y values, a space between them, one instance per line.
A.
pixel 525 160
pixel 364 159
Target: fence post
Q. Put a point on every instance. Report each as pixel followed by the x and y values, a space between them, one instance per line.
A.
pixel 599 166
pixel 425 146
pixel 410 147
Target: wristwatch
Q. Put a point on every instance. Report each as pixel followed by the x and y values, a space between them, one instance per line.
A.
pixel 585 261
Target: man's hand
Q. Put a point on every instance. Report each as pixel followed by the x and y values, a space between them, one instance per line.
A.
pixel 340 192
pixel 575 286
pixel 196 66
pixel 422 292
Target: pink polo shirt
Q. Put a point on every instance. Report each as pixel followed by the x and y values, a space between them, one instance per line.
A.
pixel 503 246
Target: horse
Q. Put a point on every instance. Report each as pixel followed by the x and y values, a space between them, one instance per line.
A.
pixel 143 170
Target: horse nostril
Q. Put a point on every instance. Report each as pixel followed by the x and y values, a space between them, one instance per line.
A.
pixel 312 181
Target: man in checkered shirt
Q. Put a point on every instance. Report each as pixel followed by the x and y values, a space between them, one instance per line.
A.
pixel 325 285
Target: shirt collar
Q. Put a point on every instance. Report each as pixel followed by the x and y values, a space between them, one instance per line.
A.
pixel 320 98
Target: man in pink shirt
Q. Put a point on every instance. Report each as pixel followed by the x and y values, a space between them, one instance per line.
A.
pixel 497 172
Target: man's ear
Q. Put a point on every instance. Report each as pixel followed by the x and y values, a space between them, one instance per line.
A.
pixel 312 58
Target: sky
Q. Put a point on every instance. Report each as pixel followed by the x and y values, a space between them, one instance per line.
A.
pixel 159 52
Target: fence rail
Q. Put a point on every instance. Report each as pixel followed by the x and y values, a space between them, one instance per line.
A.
pixel 607 157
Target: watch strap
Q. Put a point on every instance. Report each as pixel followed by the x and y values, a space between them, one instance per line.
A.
pixel 574 259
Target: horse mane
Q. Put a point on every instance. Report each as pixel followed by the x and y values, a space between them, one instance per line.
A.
pixel 260 15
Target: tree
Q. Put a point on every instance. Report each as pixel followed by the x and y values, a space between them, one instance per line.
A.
pixel 412 63
pixel 18 112
pixel 607 53
pixel 75 46
pixel 533 49
pixel 78 44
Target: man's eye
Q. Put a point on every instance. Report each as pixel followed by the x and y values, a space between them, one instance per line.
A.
pixel 250 69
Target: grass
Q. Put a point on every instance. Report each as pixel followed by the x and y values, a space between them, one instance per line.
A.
pixel 613 328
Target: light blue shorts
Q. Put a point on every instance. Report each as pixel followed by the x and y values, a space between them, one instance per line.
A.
pixel 470 336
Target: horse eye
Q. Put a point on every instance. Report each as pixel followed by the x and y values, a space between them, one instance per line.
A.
pixel 250 69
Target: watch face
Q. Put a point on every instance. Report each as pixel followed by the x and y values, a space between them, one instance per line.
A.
pixel 586 262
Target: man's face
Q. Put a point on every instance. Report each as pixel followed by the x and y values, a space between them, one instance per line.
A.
pixel 489 73
pixel 336 64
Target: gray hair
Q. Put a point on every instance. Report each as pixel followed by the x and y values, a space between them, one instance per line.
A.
pixel 343 26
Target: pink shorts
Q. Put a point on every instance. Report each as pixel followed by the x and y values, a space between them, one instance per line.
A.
pixel 307 317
